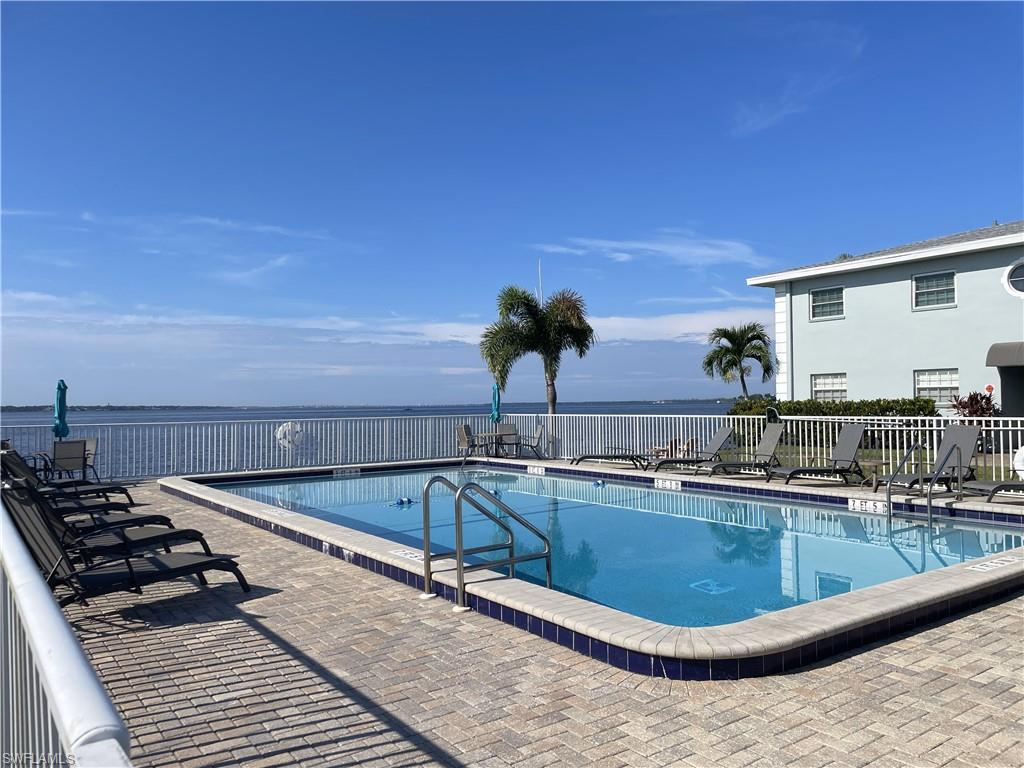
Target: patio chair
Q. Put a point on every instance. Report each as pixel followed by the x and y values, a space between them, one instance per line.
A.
pixel 467 442
pixel 15 465
pixel 842 463
pixel 68 457
pixel 119 574
pixel 534 443
pixel 989 488
pixel 508 441
pixel 710 452
pixel 90 544
pixel 764 455
pixel 676 448
pixel 950 464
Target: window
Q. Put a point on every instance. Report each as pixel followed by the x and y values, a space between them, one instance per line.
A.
pixel 828 386
pixel 831 584
pixel 941 384
pixel 827 303
pixel 1015 279
pixel 934 290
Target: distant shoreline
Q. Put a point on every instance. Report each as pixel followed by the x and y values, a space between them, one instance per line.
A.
pixel 49 406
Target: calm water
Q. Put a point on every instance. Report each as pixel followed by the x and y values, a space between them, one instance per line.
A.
pixel 19 418
pixel 687 559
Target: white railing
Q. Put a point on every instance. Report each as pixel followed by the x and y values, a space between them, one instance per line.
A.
pixel 807 439
pixel 54 710
pixel 160 449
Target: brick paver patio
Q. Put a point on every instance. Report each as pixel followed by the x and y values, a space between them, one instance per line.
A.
pixel 327 664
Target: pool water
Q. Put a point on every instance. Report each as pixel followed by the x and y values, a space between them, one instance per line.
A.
pixel 690 559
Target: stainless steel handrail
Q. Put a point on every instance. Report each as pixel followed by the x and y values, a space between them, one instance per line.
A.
pixel 460 566
pixel 895 472
pixel 937 475
pixel 428 558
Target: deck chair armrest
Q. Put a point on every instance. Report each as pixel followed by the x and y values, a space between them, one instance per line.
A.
pixel 109 559
pixel 83 539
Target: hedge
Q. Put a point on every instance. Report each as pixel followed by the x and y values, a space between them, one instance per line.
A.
pixel 907 406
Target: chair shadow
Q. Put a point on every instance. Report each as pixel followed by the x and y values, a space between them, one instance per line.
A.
pixel 222 602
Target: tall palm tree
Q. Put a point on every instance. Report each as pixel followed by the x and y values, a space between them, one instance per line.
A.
pixel 525 326
pixel 732 347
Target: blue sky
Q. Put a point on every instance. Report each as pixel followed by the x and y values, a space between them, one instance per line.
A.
pixel 317 203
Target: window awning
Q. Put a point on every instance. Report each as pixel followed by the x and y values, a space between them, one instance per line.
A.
pixel 1006 354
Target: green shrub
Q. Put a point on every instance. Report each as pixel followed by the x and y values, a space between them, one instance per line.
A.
pixel 907 406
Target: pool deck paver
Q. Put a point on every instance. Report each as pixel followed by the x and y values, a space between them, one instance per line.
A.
pixel 325 663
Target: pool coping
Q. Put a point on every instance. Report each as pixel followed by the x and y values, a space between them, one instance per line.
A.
pixel 766 644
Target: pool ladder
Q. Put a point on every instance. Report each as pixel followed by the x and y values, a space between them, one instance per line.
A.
pixel 472 494
pixel 941 462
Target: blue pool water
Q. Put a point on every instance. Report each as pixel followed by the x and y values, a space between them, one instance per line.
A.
pixel 680 558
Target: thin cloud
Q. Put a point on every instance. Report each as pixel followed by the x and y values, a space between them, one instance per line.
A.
pixel 256 228
pixel 796 97
pixel 829 50
pixel 50 258
pixel 24 212
pixel 683 247
pixel 45 310
pixel 87 216
pixel 553 248
pixel 685 326
pixel 461 371
pixel 253 276
pixel 723 296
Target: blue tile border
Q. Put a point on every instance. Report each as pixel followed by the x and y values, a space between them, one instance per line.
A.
pixel 687 483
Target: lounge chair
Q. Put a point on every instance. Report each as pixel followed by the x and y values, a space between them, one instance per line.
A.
pixel 842 463
pixel 22 500
pixel 637 459
pixel 764 455
pixel 128 573
pixel 989 488
pixel 710 452
pixel 16 466
pixel 950 464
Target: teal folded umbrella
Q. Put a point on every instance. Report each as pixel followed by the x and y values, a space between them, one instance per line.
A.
pixel 60 411
pixel 495 404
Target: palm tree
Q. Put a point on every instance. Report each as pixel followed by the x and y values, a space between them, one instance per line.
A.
pixel 731 347
pixel 525 325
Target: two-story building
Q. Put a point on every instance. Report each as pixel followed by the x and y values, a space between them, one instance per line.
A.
pixel 932 319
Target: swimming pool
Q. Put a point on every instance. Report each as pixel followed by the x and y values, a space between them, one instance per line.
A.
pixel 679 558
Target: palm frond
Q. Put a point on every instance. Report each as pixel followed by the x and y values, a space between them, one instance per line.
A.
pixel 503 344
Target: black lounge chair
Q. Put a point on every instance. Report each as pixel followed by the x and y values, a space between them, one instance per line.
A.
pixel 637 459
pixel 842 463
pixel 120 574
pixel 953 460
pixel 989 488
pixel 710 452
pixel 22 500
pixel 764 455
pixel 15 465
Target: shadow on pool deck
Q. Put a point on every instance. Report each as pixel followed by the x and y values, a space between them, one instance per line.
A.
pixel 282 702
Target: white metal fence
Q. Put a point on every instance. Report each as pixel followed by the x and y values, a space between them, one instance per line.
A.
pixel 159 449
pixel 53 710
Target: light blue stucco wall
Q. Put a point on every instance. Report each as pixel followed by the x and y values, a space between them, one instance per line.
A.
pixel 882 340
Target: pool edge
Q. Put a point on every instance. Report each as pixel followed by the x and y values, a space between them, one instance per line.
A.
pixel 777 642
